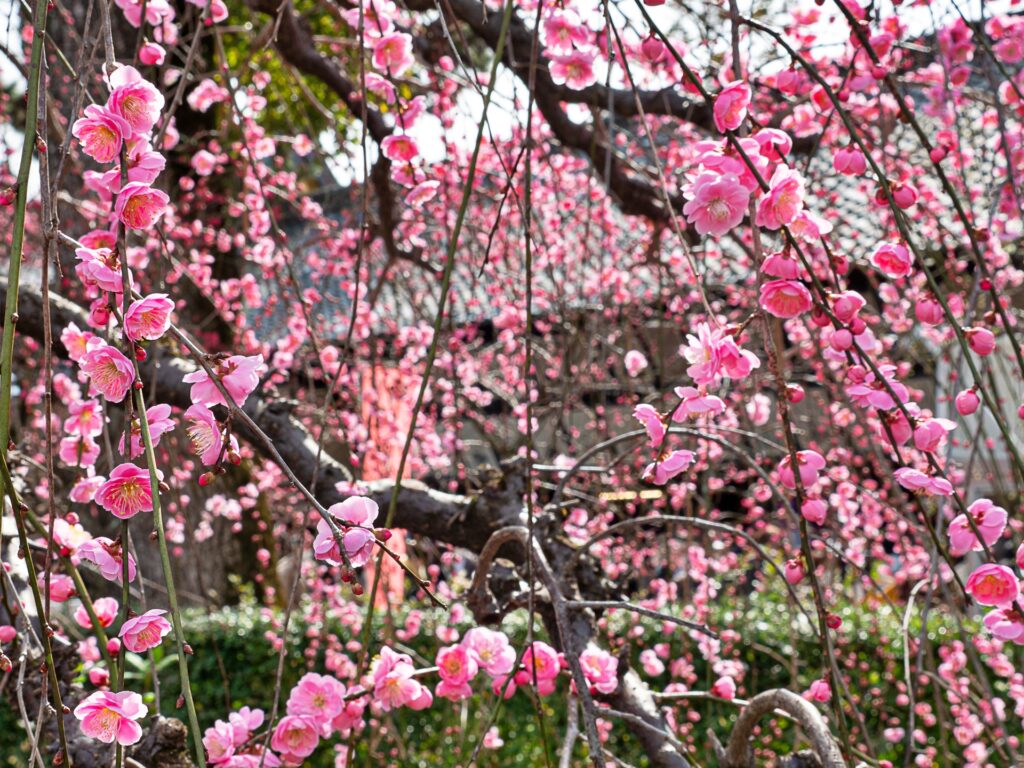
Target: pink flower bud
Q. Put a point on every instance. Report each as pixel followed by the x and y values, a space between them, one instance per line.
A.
pixel 7 633
pixel 795 571
pixel 928 311
pixel 904 195
pixel 98 676
pixel 849 161
pixel 981 340
pixel 842 340
pixel 967 402
pixel 113 646
pixel 653 49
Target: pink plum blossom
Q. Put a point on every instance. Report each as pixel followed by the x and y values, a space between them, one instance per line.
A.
pixel 784 200
pixel 295 738
pixel 809 464
pixel 110 373
pixel 785 298
pixel 110 717
pixel 892 259
pixel 456 667
pixel 990 521
pixel 575 69
pixel 126 492
pixel 716 203
pixel 205 433
pixel 139 205
pixel 102 133
pixel 138 102
pixel 653 422
pixel 599 668
pixel 731 105
pixel 141 633
pixel 992 584
pixel 664 469
pixel 107 556
pixel 149 317
pixel 358 512
pixel 238 375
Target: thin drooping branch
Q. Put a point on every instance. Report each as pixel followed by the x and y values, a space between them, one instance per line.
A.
pixel 737 753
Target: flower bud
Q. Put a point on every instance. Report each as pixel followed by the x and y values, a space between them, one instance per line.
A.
pixel 967 402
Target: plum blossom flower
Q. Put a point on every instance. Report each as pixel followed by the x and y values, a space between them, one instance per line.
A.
pixel 62 587
pixel 635 362
pixel 456 666
pixel 76 341
pixel 664 469
pixel 967 402
pixel 85 417
pixel 393 682
pixel 575 69
pixel 239 375
pixel 110 373
pixel 141 633
pixel 930 433
pixel 99 268
pixel 205 433
pixel 892 259
pixel 541 665
pixel 809 463
pixel 400 148
pixel 814 510
pixel 319 698
pixel 491 649
pixel 872 393
pixel 206 94
pixel 110 717
pixel 990 521
pixel 731 105
pixel 694 402
pixel 422 193
pixel 992 584
pixel 139 205
pixel 724 688
pixel 137 101
pixel 820 690
pixel 160 422
pixel 152 54
pixel 653 422
pixel 562 31
pixel 784 200
pixel 393 53
pixel 915 480
pixel 1006 623
pixel 149 317
pixel 295 738
pixel 717 203
pixel 356 511
pixel 105 609
pixel 849 161
pixel 713 353
pixel 106 555
pixel 126 492
pixel 600 667
pixel 981 340
pixel 102 133
pixel 78 451
pixel 785 298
